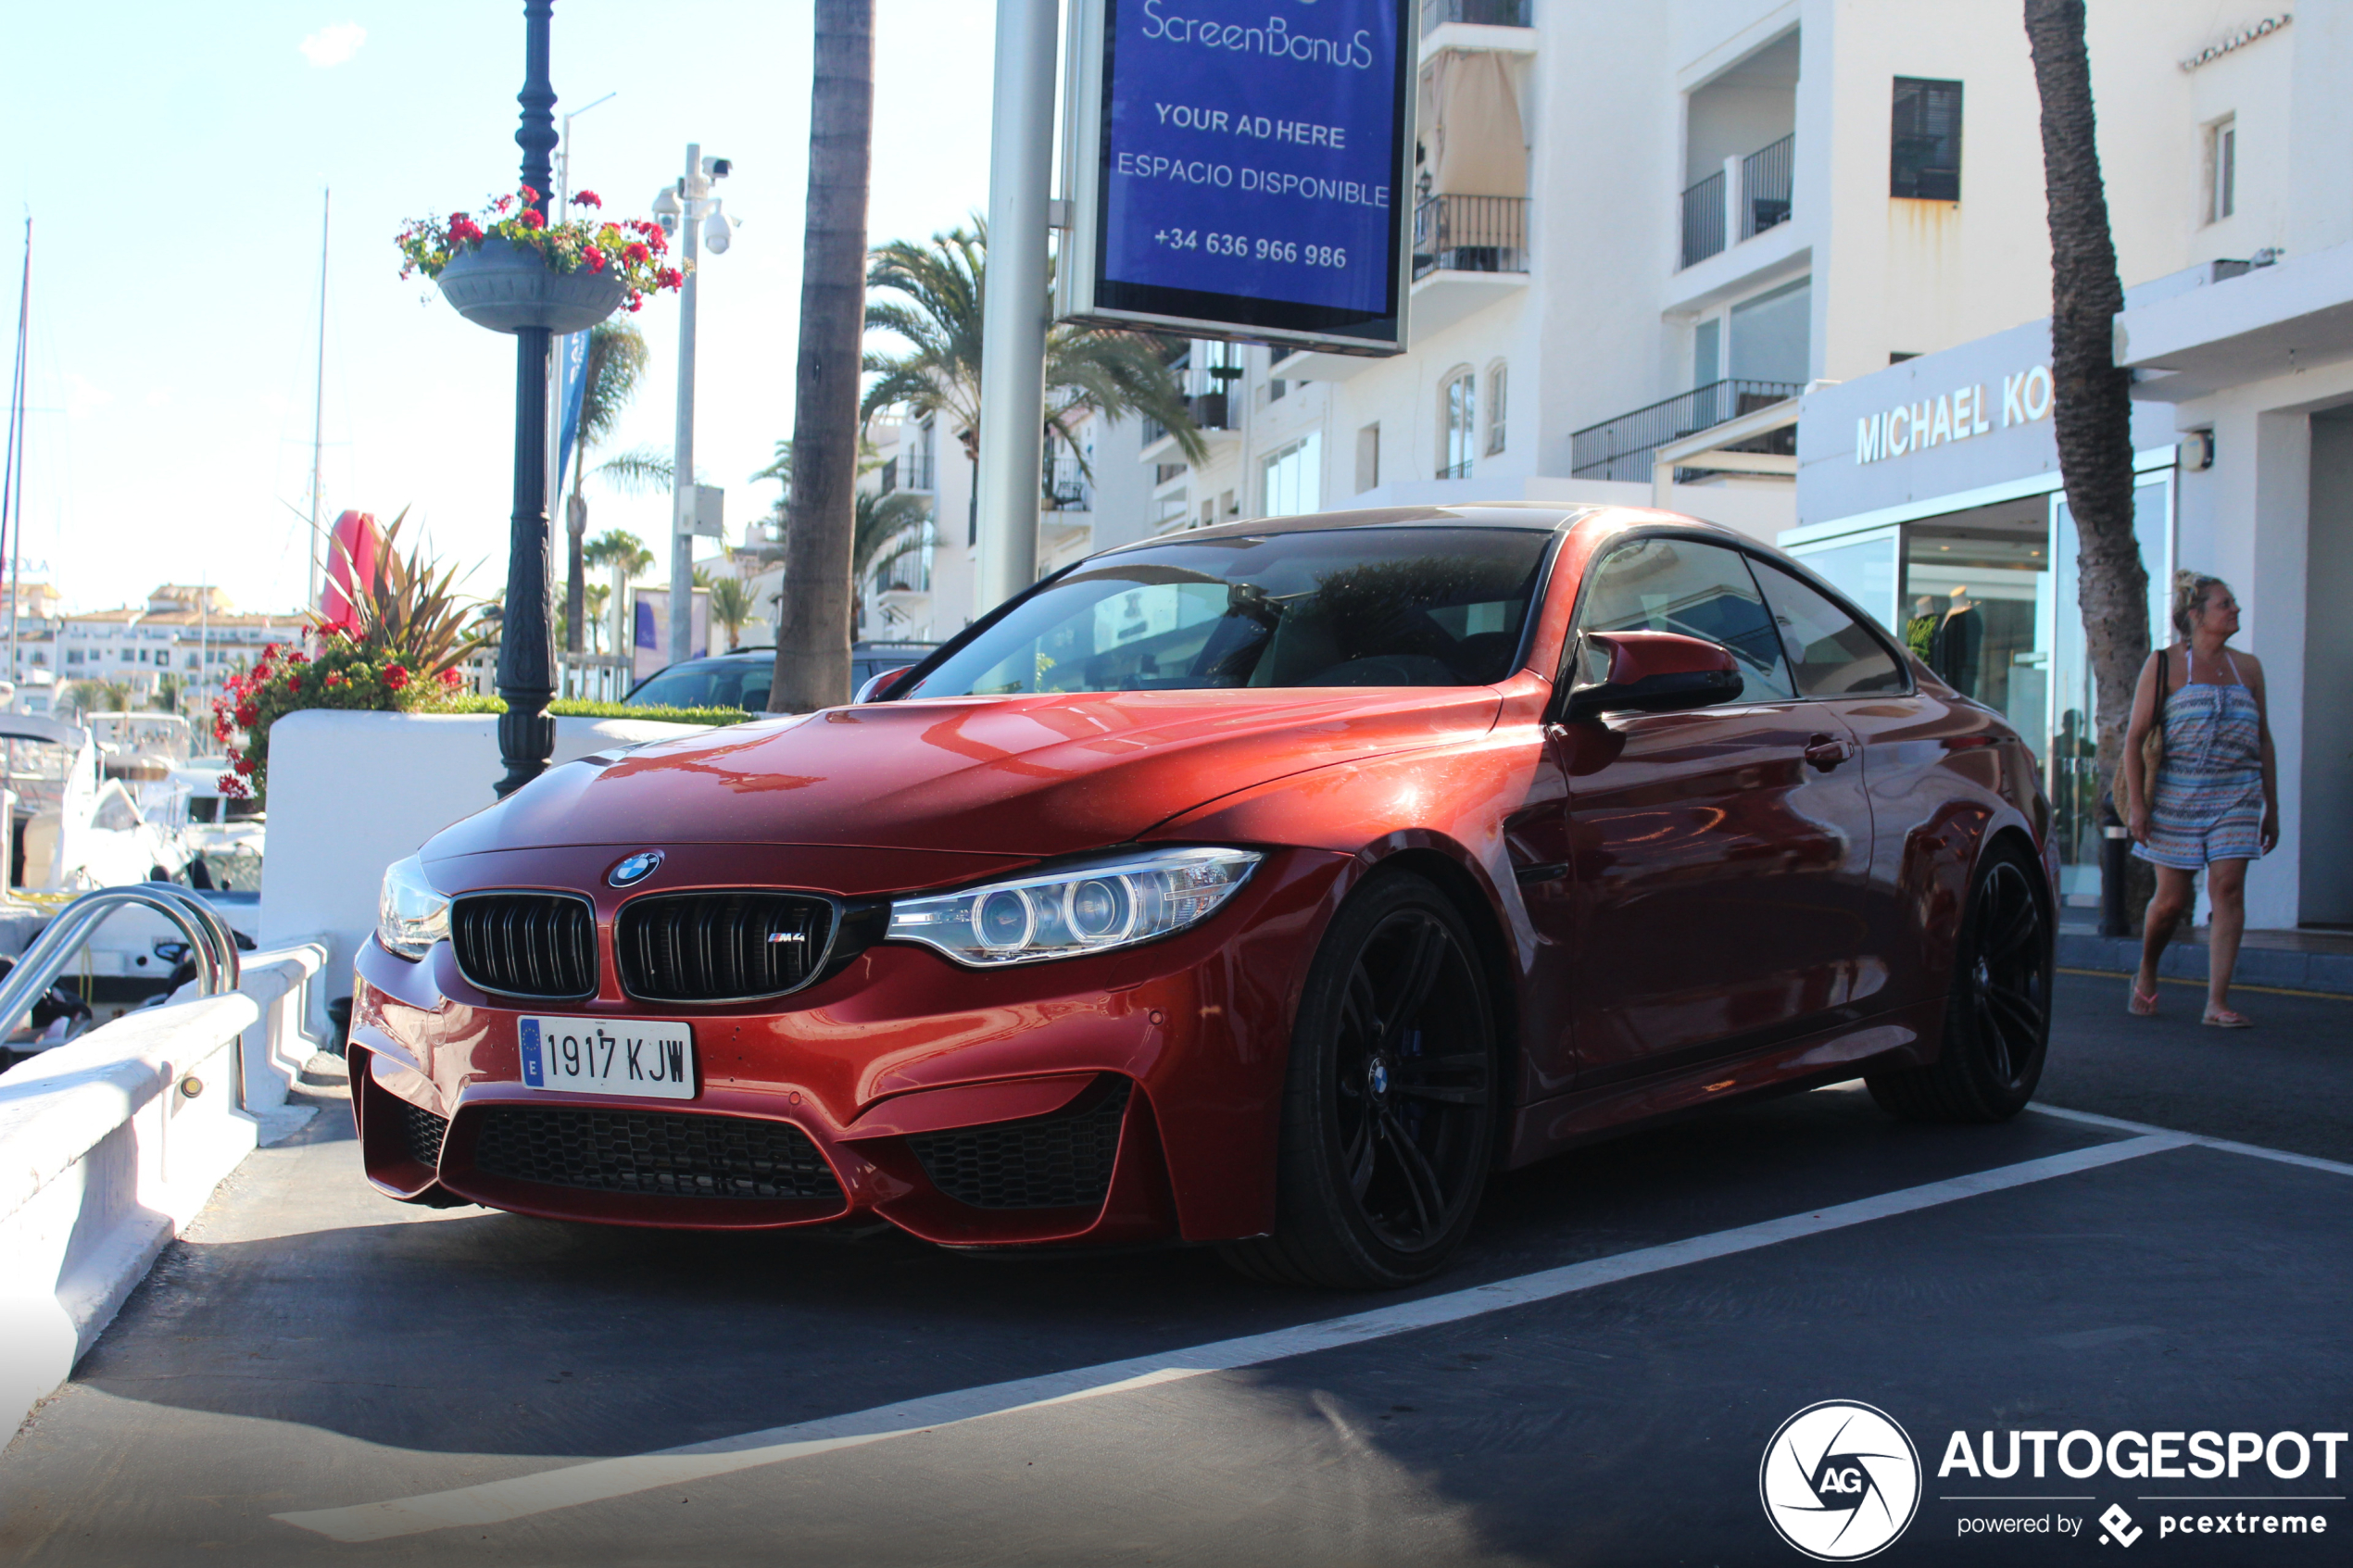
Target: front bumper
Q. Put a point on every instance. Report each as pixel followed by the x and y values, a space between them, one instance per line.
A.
pixel 1121 1098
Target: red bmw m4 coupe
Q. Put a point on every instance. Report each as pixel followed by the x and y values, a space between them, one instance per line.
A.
pixel 1266 885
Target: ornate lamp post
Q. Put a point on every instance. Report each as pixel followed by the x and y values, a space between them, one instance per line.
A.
pixel 526 639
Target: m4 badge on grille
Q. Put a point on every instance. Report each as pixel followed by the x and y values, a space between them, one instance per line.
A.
pixel 635 869
pixel 775 936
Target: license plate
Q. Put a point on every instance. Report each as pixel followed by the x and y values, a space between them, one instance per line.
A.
pixel 608 1056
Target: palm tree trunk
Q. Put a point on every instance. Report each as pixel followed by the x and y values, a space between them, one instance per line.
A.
pixel 2093 416
pixel 813 643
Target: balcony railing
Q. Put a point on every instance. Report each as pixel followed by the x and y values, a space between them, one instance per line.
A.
pixel 1483 13
pixel 1703 219
pixel 1622 448
pixel 1471 234
pixel 1765 186
pixel 1065 488
pixel 1739 202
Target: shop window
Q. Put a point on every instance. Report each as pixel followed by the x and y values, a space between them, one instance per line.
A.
pixel 1924 153
pixel 1496 388
pixel 2223 167
pixel 1458 422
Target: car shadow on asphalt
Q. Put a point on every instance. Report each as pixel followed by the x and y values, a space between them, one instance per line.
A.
pixel 489 1333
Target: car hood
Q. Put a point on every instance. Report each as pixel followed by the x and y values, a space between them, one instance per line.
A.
pixel 1026 775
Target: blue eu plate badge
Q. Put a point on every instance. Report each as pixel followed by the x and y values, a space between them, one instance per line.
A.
pixel 535 1071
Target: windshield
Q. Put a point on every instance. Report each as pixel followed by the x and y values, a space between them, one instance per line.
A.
pixel 1348 606
pixel 712 683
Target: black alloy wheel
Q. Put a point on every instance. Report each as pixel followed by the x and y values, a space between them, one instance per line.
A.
pixel 1997 1026
pixel 1389 1107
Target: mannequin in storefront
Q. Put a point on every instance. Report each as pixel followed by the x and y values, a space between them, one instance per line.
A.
pixel 1919 632
pixel 1958 638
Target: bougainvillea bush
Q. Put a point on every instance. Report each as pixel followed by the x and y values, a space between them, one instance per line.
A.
pixel 344 674
pixel 634 250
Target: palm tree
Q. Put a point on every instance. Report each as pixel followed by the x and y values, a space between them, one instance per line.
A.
pixel 1113 373
pixel 99 696
pixel 730 608
pixel 890 528
pixel 2093 419
pixel 813 643
pixel 598 595
pixel 627 556
pixel 616 361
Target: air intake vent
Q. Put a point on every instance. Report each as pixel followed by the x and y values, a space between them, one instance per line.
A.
pixel 526 944
pixel 658 1153
pixel 1058 1161
pixel 721 947
pixel 422 1130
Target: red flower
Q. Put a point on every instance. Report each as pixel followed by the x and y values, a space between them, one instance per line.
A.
pixel 337 681
pixel 244 766
pixel 529 193
pixel 671 278
pixel 396 677
pixel 247 715
pixel 638 253
pixel 594 257
pixel 451 678
pixel 298 658
pixel 588 198
pixel 502 204
pixel 637 302
pixel 531 218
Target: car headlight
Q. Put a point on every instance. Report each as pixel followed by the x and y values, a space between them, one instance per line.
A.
pixel 411 914
pixel 1094 907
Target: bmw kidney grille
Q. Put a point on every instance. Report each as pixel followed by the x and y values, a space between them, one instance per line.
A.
pixel 721 947
pixel 526 944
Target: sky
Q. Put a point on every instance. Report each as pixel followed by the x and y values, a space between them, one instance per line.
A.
pixel 172 159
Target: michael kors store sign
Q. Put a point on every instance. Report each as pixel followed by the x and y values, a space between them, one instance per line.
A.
pixel 1944 424
pixel 1952 416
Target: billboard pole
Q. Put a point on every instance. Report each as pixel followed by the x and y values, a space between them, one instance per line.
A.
pixel 1012 332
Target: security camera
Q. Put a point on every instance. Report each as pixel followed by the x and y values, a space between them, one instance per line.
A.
pixel 719 168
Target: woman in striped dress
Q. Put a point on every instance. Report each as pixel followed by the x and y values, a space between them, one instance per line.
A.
pixel 2217 801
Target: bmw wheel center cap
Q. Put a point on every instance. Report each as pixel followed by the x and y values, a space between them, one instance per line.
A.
pixel 635 869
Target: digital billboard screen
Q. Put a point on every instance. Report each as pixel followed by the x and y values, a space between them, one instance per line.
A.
pixel 1248 161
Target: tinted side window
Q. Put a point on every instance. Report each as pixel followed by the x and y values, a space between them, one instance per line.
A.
pixel 1832 654
pixel 1697 589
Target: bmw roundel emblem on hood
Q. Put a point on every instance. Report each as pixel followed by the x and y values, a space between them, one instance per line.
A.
pixel 635 869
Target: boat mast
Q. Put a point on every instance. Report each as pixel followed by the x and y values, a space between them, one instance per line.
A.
pixel 318 404
pixel 12 482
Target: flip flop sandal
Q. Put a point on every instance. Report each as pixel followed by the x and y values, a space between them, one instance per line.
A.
pixel 2223 1018
pixel 2143 1003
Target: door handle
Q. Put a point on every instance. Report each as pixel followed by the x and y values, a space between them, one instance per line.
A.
pixel 1826 752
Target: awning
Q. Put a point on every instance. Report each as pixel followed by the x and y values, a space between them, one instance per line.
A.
pixel 1471 128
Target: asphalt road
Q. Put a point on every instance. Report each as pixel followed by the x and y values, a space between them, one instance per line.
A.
pixel 1596 1382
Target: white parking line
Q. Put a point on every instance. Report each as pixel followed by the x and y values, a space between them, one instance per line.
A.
pixel 494 1502
pixel 2117 1124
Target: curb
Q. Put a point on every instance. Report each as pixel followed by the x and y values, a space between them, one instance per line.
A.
pixel 2183 960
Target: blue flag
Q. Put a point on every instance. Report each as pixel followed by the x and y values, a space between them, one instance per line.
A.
pixel 572 361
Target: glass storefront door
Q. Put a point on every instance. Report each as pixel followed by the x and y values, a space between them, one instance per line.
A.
pixel 2073 778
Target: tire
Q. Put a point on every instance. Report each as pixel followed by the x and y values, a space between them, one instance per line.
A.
pixel 1997 1025
pixel 1388 1111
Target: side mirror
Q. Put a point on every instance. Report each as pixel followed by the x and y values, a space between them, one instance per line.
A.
pixel 1649 672
pixel 878 688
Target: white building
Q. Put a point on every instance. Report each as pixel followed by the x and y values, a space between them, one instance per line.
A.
pixel 2238 325
pixel 189 633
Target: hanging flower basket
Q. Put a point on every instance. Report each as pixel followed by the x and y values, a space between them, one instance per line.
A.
pixel 512 268
pixel 507 288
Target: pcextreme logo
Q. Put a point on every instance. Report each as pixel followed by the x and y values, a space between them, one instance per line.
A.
pixel 1840 1481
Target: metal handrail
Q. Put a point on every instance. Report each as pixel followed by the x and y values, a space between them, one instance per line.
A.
pixel 210 943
